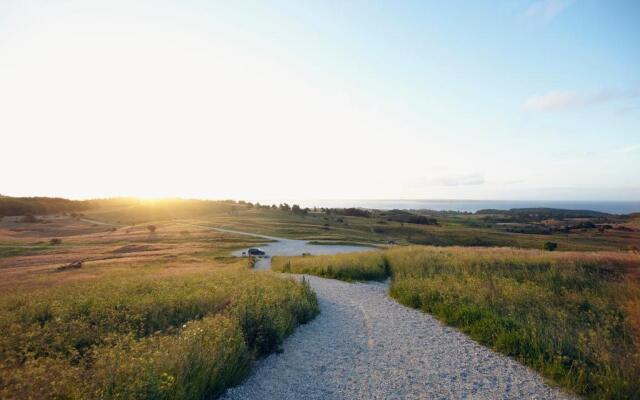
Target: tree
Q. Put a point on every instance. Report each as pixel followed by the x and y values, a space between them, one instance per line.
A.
pixel 550 246
pixel 297 210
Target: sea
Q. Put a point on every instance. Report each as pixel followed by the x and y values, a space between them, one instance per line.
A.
pixel 612 207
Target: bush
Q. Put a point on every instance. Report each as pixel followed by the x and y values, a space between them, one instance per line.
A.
pixel 550 246
pixel 55 241
pixel 151 228
pixel 29 219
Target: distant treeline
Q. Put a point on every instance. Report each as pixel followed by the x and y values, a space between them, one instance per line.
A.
pixel 40 205
pixel 14 206
pixel 543 213
pixel 348 212
pixel 408 217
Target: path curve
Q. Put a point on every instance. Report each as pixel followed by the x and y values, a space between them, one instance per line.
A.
pixel 364 345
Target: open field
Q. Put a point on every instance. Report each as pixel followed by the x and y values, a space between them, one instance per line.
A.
pixel 164 314
pixel 575 317
pixel 450 229
pixel 154 276
pixel 570 231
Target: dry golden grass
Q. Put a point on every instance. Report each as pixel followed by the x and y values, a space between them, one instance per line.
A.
pixel 164 315
pixel 104 249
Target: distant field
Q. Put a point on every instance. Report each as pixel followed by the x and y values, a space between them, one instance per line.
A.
pixel 575 317
pixel 165 314
pixel 451 230
pixel 570 230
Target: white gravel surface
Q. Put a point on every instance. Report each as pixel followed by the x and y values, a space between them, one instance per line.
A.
pixel 364 345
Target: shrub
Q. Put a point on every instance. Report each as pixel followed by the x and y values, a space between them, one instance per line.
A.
pixel 55 241
pixel 151 228
pixel 30 219
pixel 550 246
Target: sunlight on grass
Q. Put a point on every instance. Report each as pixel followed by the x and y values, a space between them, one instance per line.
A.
pixel 138 335
pixel 575 317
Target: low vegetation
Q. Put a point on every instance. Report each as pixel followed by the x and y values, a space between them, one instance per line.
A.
pixel 138 334
pixel 38 205
pixel 575 317
pixel 112 311
pixel 572 230
pixel 347 267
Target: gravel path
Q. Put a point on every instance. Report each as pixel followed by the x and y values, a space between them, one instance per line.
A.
pixel 364 345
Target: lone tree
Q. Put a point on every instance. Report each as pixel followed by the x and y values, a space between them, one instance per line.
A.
pixel 151 228
pixel 550 246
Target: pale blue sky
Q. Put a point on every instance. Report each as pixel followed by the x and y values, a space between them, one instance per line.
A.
pixel 425 99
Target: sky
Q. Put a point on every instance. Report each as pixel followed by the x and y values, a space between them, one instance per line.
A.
pixel 511 100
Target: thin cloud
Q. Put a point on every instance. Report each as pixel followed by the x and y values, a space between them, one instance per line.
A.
pixel 558 100
pixel 629 149
pixel 547 9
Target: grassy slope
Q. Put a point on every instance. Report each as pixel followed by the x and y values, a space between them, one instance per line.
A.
pixel 575 317
pixel 10 250
pixel 162 315
pixel 178 250
pixel 137 334
pixel 461 230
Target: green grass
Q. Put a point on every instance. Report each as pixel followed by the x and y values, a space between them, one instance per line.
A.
pixel 574 317
pixel 19 250
pixel 141 335
pixel 452 230
pixel 338 243
pixel 347 267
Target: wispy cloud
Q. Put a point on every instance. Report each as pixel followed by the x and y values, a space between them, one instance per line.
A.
pixel 632 148
pixel 547 9
pixel 562 100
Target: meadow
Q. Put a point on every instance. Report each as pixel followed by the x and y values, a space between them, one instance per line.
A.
pixel 373 227
pixel 149 315
pixel 574 317
pixel 156 287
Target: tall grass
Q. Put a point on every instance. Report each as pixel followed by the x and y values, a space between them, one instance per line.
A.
pixel 575 317
pixel 347 267
pixel 145 336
